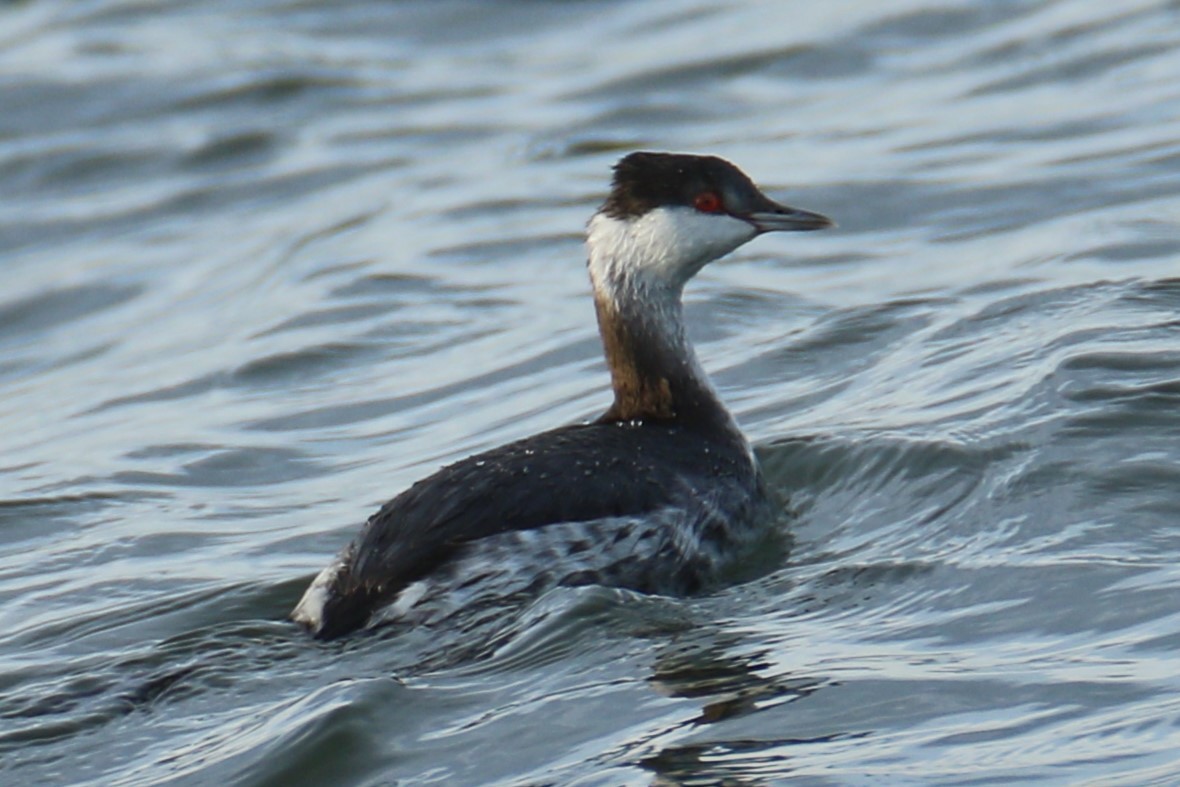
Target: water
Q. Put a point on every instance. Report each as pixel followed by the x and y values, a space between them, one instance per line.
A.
pixel 265 263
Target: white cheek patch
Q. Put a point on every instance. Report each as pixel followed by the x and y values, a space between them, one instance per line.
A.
pixel 665 246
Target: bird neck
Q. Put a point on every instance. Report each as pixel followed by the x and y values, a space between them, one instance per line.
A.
pixel 654 370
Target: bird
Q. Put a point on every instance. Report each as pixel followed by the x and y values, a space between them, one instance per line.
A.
pixel 657 495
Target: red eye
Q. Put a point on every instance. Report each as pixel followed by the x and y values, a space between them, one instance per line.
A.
pixel 707 202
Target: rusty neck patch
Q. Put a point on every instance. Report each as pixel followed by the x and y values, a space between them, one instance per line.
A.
pixel 653 372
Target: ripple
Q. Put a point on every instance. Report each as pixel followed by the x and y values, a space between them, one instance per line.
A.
pixel 246 467
pixel 797 62
pixel 242 149
pixel 44 311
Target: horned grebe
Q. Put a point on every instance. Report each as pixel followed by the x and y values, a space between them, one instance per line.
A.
pixel 654 496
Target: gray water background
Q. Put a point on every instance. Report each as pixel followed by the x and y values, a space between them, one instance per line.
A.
pixel 263 264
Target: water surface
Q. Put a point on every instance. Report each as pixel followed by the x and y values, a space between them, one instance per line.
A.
pixel 266 263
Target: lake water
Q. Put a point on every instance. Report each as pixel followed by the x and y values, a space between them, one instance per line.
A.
pixel 266 263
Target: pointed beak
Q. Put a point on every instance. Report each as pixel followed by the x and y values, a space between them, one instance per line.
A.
pixel 773 217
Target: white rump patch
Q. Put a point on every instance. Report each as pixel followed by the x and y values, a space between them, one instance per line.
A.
pixel 310 609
